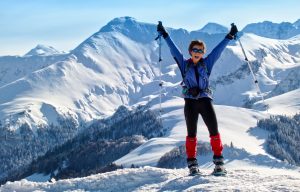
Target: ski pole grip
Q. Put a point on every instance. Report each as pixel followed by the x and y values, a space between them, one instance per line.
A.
pixel 159 23
pixel 235 36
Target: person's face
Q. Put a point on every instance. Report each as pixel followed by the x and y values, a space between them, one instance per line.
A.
pixel 197 53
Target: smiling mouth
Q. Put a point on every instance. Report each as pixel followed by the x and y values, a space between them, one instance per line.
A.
pixel 196 57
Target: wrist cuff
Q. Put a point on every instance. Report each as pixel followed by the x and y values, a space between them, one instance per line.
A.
pixel 165 35
pixel 229 36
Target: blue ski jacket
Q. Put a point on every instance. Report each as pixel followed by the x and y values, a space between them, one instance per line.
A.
pixel 204 68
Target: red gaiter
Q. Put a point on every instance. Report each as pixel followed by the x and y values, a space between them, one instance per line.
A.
pixel 216 144
pixel 191 147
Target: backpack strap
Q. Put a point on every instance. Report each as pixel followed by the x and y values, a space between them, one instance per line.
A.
pixel 187 66
pixel 190 63
pixel 196 74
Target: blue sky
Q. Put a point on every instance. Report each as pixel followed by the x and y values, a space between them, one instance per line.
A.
pixel 64 24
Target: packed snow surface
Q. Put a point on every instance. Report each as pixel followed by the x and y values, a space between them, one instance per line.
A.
pixel 155 179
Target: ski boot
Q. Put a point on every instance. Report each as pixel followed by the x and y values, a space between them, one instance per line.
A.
pixel 193 167
pixel 219 169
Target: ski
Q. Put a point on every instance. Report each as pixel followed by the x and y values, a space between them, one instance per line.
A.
pixel 219 173
pixel 195 174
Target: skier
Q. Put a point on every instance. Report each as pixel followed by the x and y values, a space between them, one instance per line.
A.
pixel 195 72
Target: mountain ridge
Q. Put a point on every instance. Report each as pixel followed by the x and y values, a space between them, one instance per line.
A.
pixel 43 50
pixel 284 30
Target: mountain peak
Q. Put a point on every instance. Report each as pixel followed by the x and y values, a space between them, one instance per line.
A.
pixel 42 50
pixel 118 23
pixel 130 27
pixel 123 19
pixel 213 28
pixel 297 23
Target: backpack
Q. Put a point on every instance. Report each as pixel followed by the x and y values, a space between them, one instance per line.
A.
pixel 185 88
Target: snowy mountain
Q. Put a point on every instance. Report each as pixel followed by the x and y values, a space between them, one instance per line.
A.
pixel 213 28
pixel 130 41
pixel 268 29
pixel 297 23
pixel 290 83
pixel 88 151
pixel 13 68
pixel 138 31
pixel 249 167
pixel 43 50
pixel 287 103
pixel 48 100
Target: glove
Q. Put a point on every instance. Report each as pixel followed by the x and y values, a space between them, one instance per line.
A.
pixel 233 31
pixel 161 30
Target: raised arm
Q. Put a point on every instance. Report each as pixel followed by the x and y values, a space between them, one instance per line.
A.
pixel 215 54
pixel 176 53
pixel 217 51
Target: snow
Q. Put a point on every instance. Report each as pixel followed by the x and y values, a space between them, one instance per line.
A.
pixel 288 103
pixel 149 153
pixel 213 28
pixel 268 29
pixel 234 125
pixel 237 125
pixel 38 177
pixel 43 50
pixel 117 66
pixel 156 179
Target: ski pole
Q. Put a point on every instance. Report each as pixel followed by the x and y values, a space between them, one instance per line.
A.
pixel 249 65
pixel 159 61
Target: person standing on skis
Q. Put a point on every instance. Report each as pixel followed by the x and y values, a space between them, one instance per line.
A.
pixel 195 72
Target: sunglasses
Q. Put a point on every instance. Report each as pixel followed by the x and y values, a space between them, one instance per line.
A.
pixel 195 50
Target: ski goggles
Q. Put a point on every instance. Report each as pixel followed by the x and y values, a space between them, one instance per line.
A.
pixel 195 50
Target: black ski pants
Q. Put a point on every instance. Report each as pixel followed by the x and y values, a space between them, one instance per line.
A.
pixel 204 107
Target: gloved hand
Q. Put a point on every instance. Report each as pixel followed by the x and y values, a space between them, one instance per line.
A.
pixel 233 31
pixel 161 30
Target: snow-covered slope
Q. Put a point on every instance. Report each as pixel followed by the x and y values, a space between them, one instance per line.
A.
pixel 58 86
pixel 234 124
pixel 256 171
pixel 291 82
pixel 13 68
pixel 288 103
pixel 237 126
pixel 297 23
pixel 155 179
pixel 271 65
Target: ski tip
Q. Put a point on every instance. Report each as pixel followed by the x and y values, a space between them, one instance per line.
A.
pixel 195 174
pixel 217 173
